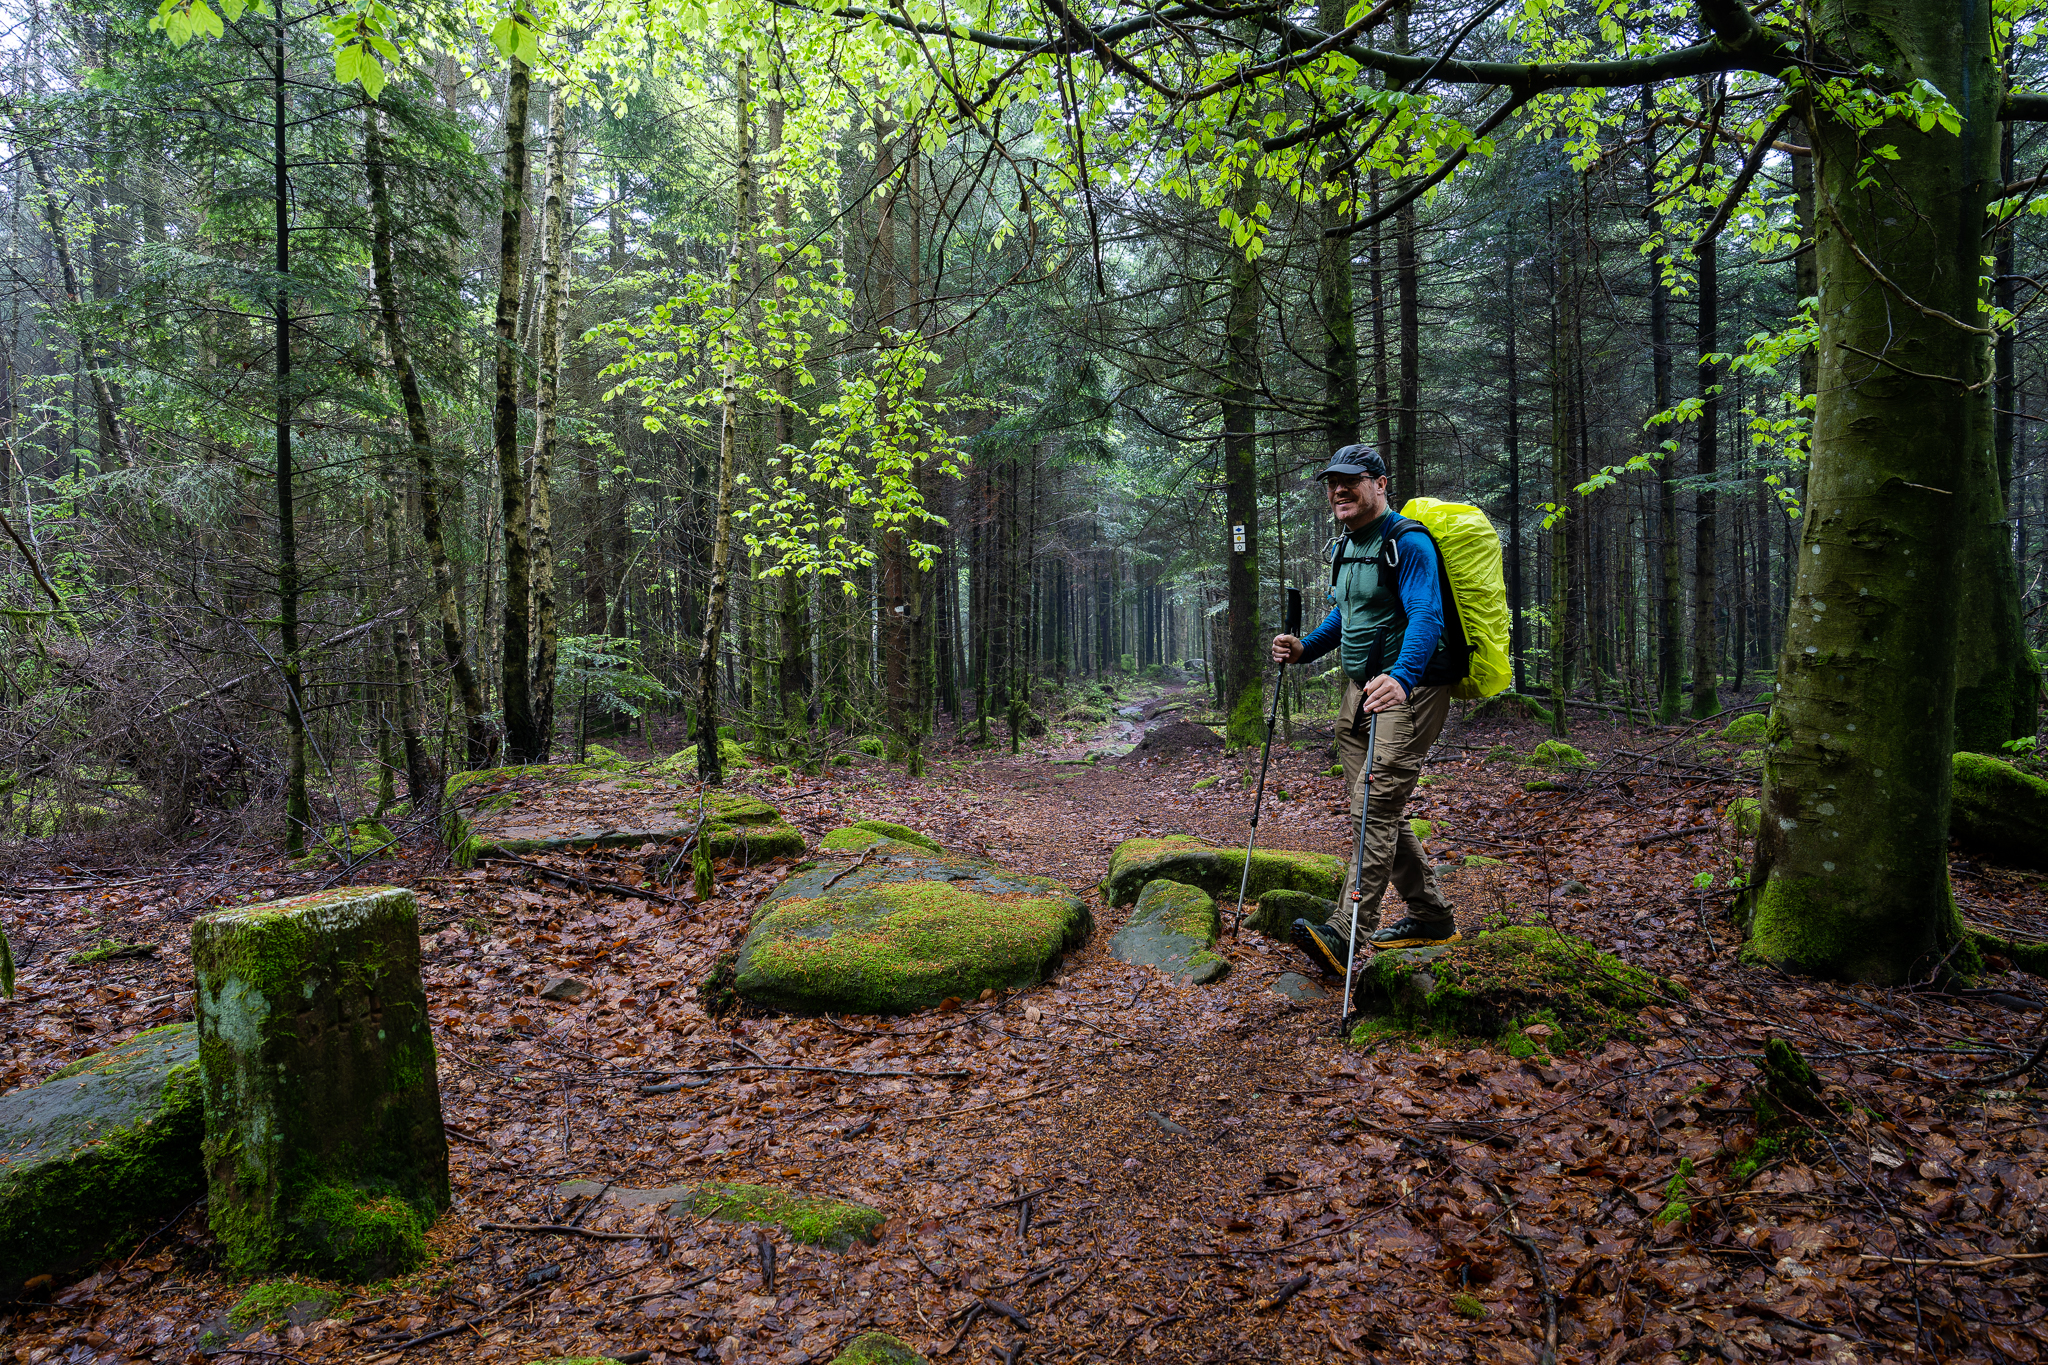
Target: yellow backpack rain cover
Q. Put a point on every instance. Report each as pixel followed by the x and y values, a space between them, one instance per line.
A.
pixel 1470 547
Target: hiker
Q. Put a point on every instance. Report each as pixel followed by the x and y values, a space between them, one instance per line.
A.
pixel 1386 626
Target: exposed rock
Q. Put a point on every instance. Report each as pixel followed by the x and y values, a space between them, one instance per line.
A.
pixel 1184 858
pixel 810 1219
pixel 1277 911
pixel 1173 927
pixel 1489 984
pixel 903 932
pixel 106 1148
pixel 282 1301
pixel 324 1148
pixel 1300 989
pixel 610 803
pixel 877 1348
pixel 566 989
pixel 1999 810
pixel 1748 728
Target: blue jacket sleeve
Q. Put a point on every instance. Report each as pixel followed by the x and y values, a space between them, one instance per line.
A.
pixel 1422 603
pixel 1324 637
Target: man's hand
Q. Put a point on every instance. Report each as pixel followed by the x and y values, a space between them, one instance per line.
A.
pixel 1286 649
pixel 1383 693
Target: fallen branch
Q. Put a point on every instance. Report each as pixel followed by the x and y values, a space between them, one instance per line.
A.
pixel 1675 834
pixel 1284 1293
pixel 822 1070
pixel 1995 1258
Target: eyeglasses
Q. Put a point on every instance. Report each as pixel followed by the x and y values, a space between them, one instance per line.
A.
pixel 1341 481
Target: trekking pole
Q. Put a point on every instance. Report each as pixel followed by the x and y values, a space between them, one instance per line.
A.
pixel 1272 719
pixel 1372 724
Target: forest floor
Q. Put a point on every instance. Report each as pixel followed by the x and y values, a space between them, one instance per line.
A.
pixel 1111 1166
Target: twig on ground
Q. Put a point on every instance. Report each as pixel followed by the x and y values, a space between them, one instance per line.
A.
pixel 568 1229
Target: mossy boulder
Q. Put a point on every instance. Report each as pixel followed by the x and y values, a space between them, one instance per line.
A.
pixel 1492 984
pixel 813 1220
pixel 1084 715
pixel 1745 814
pixel 1277 911
pixel 355 842
pixel 570 806
pixel 1195 862
pixel 1999 811
pixel 877 1348
pixel 683 762
pixel 881 829
pixel 855 840
pixel 903 933
pixel 106 1149
pixel 324 1148
pixel 1173 927
pixel 743 829
pixel 1748 728
pixel 1558 756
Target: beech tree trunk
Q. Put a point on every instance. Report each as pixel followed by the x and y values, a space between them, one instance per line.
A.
pixel 1242 663
pixel 1333 290
pixel 1706 647
pixel 555 263
pixel 1851 874
pixel 522 740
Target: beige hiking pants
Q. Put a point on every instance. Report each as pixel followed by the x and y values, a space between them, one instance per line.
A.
pixel 1392 852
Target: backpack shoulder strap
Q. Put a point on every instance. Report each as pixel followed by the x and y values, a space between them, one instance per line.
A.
pixel 1398 526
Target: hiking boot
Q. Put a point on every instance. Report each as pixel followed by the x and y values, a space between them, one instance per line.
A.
pixel 1325 946
pixel 1410 932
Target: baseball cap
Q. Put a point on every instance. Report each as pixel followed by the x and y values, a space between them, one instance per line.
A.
pixel 1351 461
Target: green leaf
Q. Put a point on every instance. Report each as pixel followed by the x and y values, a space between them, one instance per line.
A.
pixel 371 73
pixel 505 36
pixel 346 60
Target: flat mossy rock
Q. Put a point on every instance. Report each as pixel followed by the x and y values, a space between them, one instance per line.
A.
pixel 902 933
pixel 608 803
pixel 1172 928
pixel 1999 811
pixel 107 1148
pixel 282 1301
pixel 880 835
pixel 1195 862
pixel 1276 912
pixel 1489 985
pixel 877 1348
pixel 813 1220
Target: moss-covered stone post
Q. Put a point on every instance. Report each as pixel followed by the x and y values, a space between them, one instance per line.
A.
pixel 1852 859
pixel 324 1148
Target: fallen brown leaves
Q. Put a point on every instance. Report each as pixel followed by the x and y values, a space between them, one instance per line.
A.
pixel 1112 1167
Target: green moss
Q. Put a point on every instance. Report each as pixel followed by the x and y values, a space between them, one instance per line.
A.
pixel 1185 858
pixel 1746 814
pixel 871 745
pixel 1544 787
pixel 877 1348
pixel 1805 925
pixel 1422 829
pixel 2031 958
pixel 808 1219
pixel 896 947
pixel 1504 979
pixel 1247 723
pixel 1558 755
pixel 1084 715
pixel 108 948
pixel 575 1360
pixel 1466 1306
pixel 683 763
pixel 1763 1153
pixel 1998 810
pixel 597 756
pixel 842 760
pixel 1748 728
pixel 853 839
pixel 273 1302
pixel 356 1237
pixel 108 1147
pixel 1276 911
pixel 900 833
pixel 1207 782
pixel 1480 860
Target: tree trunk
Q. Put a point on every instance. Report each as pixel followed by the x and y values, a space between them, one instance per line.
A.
pixel 476 748
pixel 556 260
pixel 298 810
pixel 1333 289
pixel 1669 563
pixel 1242 694
pixel 523 742
pixel 1851 870
pixel 1406 465
pixel 1517 600
pixel 1706 650
pixel 709 768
